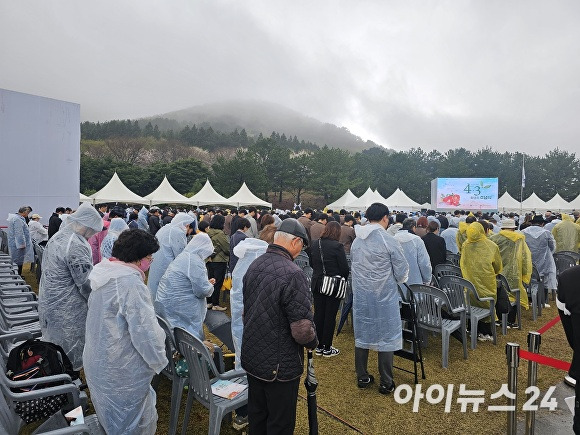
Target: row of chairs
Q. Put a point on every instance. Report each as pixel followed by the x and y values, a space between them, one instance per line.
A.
pixel 19 322
pixel 202 373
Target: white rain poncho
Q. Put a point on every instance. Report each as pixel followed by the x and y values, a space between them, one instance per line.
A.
pixel 378 266
pixel 417 256
pixel 19 241
pixel 247 251
pixel 117 226
pixel 172 239
pixel 142 219
pixel 64 288
pixel 125 347
pixel 180 297
pixel 542 245
pixel 450 237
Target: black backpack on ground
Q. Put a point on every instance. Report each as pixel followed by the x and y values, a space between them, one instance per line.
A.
pixel 35 359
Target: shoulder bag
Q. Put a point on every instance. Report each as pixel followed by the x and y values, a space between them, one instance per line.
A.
pixel 334 286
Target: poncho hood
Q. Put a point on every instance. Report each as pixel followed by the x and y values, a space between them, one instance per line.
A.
pixel 248 246
pixel 475 232
pixel 363 231
pixel 512 235
pixel 110 269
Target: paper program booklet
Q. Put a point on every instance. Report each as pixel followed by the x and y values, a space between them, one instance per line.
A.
pixel 227 389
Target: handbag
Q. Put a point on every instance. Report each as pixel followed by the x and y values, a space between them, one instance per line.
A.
pixel 502 304
pixel 334 286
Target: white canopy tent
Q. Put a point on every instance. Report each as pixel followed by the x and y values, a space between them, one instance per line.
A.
pixel 400 201
pixel 364 201
pixel 84 198
pixel 166 194
pixel 533 202
pixel 343 201
pixel 557 203
pixel 208 196
pixel 507 203
pixel 116 191
pixel 244 196
pixel 426 205
pixel 575 203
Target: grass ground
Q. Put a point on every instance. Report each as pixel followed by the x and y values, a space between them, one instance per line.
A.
pixel 372 413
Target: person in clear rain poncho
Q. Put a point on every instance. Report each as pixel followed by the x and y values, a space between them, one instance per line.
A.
pixel 125 346
pixel 516 260
pixel 172 240
pixel 19 241
pixel 247 251
pixel 415 253
pixel 116 227
pixel 542 245
pixel 64 288
pixel 142 219
pixel 180 297
pixel 378 266
pixel 567 234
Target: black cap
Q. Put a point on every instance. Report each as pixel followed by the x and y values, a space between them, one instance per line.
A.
pixel 292 226
pixel 538 219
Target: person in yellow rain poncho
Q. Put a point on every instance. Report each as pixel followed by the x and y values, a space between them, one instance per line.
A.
pixel 461 236
pixel 516 259
pixel 567 234
pixel 480 263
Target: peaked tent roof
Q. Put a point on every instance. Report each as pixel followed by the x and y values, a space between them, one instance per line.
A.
pixel 426 205
pixel 343 201
pixel 558 203
pixel 507 203
pixel 208 196
pixel 116 191
pixel 400 200
pixel 533 202
pixel 244 196
pixel 364 201
pixel 166 194
pixel 575 203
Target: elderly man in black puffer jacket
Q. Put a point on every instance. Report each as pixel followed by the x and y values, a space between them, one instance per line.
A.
pixel 278 324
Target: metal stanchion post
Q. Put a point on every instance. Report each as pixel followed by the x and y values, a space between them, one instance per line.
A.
pixel 534 340
pixel 512 351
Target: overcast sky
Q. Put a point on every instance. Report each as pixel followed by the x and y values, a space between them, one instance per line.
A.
pixel 435 74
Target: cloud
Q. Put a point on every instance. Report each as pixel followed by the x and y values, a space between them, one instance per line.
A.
pixel 432 74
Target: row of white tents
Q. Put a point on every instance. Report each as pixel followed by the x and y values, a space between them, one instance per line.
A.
pixel 400 201
pixel 116 191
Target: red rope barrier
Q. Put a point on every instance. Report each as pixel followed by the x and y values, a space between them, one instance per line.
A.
pixel 549 324
pixel 545 360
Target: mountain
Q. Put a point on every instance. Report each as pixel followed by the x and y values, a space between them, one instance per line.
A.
pixel 263 117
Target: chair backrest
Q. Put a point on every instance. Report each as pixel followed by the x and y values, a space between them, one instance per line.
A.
pixel 199 363
pixel 454 287
pixel 429 301
pixel 574 255
pixel 446 269
pixel 169 346
pixel 563 262
pixel 452 258
pixel 302 260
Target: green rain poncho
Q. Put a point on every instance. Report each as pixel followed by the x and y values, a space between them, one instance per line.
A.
pixel 567 234
pixel 480 262
pixel 516 260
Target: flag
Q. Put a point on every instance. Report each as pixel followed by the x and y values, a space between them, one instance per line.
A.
pixel 523 175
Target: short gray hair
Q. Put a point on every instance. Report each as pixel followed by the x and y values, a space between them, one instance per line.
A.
pixel 281 235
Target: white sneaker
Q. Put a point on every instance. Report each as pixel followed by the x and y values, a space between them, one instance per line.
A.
pixel 547 306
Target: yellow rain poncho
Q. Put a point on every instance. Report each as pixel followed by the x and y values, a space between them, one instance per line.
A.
pixel 480 262
pixel 567 234
pixel 516 259
pixel 461 236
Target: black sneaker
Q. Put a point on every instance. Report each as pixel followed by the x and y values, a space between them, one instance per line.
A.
pixel 333 351
pixel 383 389
pixel 363 383
pixel 318 351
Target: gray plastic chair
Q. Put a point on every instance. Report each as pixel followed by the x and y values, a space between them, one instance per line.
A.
pixel 430 302
pixel 535 290
pixel 563 261
pixel 201 365
pixel 445 270
pixel 452 258
pixel 574 255
pixel 456 289
pixel 177 382
pixel 515 292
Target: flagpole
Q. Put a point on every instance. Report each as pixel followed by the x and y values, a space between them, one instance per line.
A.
pixel 523 183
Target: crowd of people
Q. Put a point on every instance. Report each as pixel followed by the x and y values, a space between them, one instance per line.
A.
pixel 96 302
